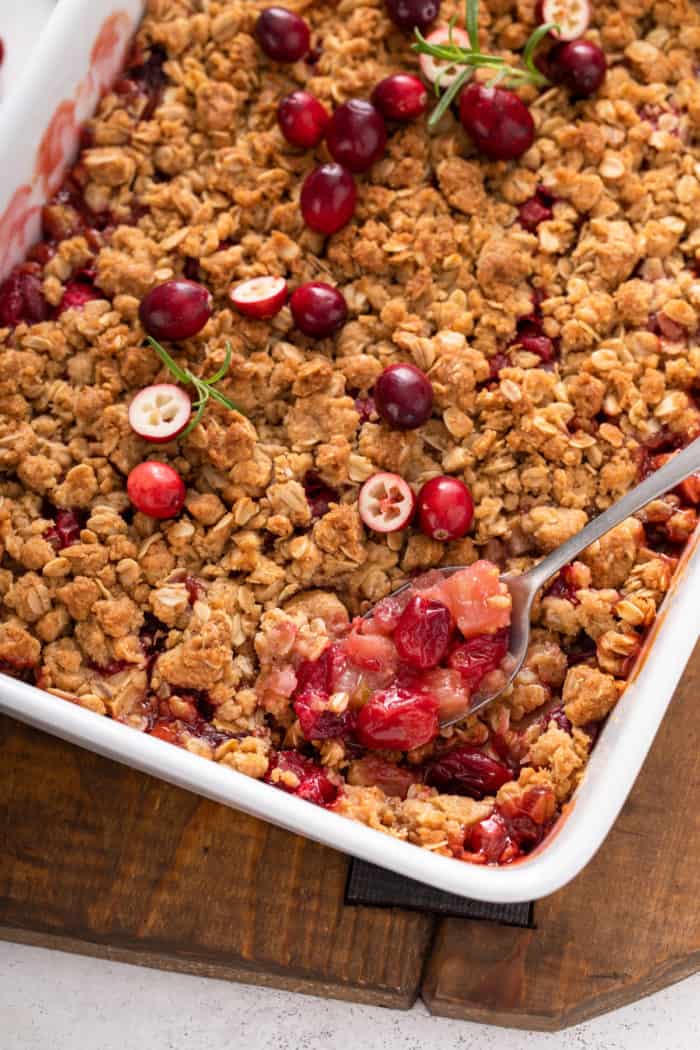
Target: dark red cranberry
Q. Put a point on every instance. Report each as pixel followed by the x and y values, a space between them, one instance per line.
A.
pixel 302 119
pixel 356 135
pixel 21 297
pixel 467 771
pixel 319 495
pixel 541 345
pixel 328 198
pixel 445 508
pixel 579 65
pixel 499 123
pixel 413 14
pixel 318 309
pixel 404 396
pixel 77 294
pixel 477 656
pixel 176 309
pixel 66 529
pixel 423 633
pixel 536 210
pixel 402 96
pixel 397 718
pixel 283 35
pixel 317 722
pixel 312 781
pixel 490 838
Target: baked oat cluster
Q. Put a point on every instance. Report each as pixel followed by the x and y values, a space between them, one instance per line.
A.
pixel 553 302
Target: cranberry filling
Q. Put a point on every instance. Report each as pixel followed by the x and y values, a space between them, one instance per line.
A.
pixel 300 776
pixel 467 771
pixel 477 657
pixel 147 78
pixel 564 586
pixel 319 495
pixel 21 297
pixel 66 529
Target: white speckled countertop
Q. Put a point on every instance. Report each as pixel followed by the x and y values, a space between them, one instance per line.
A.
pixel 53 1001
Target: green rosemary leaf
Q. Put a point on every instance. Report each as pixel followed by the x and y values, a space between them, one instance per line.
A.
pixel 534 41
pixel 167 360
pixel 448 98
pixel 196 418
pixel 471 22
pixel 225 401
pixel 224 368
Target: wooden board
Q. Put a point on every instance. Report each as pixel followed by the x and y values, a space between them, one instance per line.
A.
pixel 100 859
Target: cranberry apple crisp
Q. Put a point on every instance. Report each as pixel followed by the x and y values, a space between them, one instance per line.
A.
pixel 335 296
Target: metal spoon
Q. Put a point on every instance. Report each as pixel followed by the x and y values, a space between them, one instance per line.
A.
pixel 524 587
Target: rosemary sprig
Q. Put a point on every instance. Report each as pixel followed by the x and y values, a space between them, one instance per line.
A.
pixel 472 58
pixel 204 388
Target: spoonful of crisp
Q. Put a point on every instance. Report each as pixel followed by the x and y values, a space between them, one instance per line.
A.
pixel 490 614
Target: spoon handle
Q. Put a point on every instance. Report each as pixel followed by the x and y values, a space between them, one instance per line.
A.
pixel 678 468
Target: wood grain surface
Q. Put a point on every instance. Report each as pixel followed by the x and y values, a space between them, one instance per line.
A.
pixel 100 859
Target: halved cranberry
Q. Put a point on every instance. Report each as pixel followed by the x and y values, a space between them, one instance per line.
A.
pixel 283 35
pixel 22 299
pixel 580 65
pixel 176 309
pixel 423 633
pixel 319 495
pixel 318 309
pixel 260 297
pixel 328 198
pixel 397 718
pixel 571 16
pixel 467 771
pixel 413 14
pixel 499 123
pixel 65 531
pixel 403 395
pixel 478 656
pixel 445 508
pixel 356 135
pixel 312 781
pixel 386 503
pixel 440 71
pixel 302 119
pixel 401 96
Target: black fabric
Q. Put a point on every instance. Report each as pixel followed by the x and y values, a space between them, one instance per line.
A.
pixel 377 887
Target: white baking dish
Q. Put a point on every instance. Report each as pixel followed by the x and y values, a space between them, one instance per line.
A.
pixel 60 72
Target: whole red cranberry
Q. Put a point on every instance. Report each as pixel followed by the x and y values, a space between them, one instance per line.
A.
pixel 302 119
pixel 401 96
pixel 403 396
pixel 356 135
pixel 423 633
pixel 318 309
pixel 283 35
pixel 499 123
pixel 176 309
pixel 580 65
pixel 328 198
pixel 445 508
pixel 467 771
pixel 413 14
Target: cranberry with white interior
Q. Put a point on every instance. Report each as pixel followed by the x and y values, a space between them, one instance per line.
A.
pixel 386 503
pixel 571 16
pixel 160 412
pixel 439 70
pixel 260 297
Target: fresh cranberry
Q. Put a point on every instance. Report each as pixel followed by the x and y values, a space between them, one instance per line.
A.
pixel 571 16
pixel 356 135
pixel 397 718
pixel 500 124
pixel 328 198
pixel 283 35
pixel 156 489
pixel 313 783
pixel 77 294
pixel 21 298
pixel 423 633
pixel 319 495
pixel 65 531
pixel 467 771
pixel 445 508
pixel 402 96
pixel 176 309
pixel 303 119
pixel 413 14
pixel 318 309
pixel 580 65
pixel 404 396
pixel 478 656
